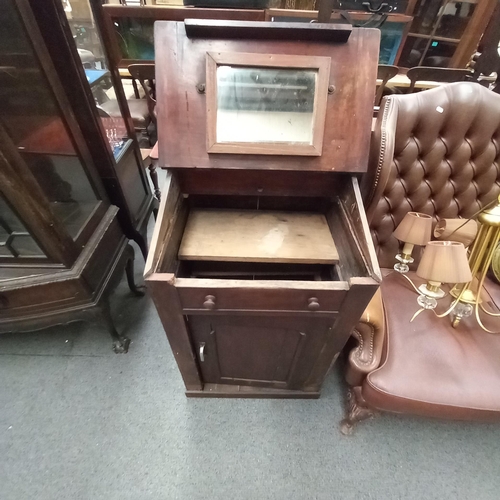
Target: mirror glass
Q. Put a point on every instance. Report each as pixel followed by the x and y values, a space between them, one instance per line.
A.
pixel 265 104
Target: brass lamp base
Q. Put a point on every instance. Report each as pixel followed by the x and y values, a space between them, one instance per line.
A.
pixel 467 296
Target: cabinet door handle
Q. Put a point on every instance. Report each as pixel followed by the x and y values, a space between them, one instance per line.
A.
pixel 209 302
pixel 202 351
pixel 313 304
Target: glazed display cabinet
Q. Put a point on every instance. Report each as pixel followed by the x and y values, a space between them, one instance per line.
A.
pixel 261 261
pixel 61 245
pixel 444 33
pixel 80 57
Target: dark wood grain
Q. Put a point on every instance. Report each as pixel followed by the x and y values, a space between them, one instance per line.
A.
pixel 262 183
pixel 360 293
pixel 286 297
pixel 169 309
pixel 180 66
pixel 76 294
pixel 203 28
pixel 274 352
pixel 266 331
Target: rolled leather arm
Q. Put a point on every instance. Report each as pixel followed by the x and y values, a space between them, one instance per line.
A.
pixel 370 335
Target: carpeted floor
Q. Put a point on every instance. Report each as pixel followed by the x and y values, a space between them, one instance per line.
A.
pixel 80 422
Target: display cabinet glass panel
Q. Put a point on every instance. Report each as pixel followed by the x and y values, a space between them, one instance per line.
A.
pixel 92 54
pixel 454 17
pixel 392 32
pixel 425 15
pixel 32 118
pixel 16 242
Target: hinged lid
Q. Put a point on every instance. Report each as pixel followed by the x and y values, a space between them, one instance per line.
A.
pixel 264 104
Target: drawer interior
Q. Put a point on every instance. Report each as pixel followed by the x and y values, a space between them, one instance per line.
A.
pixel 257 271
pixel 214 247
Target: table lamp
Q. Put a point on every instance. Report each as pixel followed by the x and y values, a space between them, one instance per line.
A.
pixel 441 262
pixel 414 229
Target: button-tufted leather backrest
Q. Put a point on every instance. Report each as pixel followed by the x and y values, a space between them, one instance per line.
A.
pixel 435 152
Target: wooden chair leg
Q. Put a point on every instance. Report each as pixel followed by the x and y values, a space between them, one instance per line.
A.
pixel 154 179
pixel 356 411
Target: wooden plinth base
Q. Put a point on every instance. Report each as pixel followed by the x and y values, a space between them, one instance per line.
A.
pixel 240 391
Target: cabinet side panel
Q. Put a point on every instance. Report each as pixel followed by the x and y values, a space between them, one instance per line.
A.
pixel 169 309
pixel 357 299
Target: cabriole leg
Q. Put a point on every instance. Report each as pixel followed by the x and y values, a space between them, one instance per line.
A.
pixel 120 343
pixel 356 411
pixel 129 271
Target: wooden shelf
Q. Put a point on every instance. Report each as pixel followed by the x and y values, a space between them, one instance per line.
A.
pixel 43 135
pixel 434 37
pixel 258 236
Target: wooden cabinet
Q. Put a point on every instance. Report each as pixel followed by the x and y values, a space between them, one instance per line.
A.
pixel 261 263
pixel 265 329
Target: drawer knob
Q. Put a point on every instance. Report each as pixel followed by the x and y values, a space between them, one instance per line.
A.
pixel 209 302
pixel 313 304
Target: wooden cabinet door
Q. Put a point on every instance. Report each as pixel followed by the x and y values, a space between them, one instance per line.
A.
pixel 266 351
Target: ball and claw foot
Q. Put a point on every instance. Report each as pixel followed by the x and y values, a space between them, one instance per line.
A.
pixel 120 346
pixel 356 412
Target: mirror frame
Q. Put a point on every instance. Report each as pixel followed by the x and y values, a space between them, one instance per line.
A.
pixel 321 64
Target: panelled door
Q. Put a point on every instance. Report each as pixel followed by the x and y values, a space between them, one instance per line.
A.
pixel 270 351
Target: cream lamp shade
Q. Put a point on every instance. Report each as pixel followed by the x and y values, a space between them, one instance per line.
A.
pixel 415 228
pixel 461 230
pixel 445 262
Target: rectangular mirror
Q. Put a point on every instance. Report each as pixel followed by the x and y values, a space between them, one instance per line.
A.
pixel 266 104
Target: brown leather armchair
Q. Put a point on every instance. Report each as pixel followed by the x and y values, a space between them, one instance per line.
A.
pixel 435 152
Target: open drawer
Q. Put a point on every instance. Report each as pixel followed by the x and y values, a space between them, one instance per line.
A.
pixel 259 325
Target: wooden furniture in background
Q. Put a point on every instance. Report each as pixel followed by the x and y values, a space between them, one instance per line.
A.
pixel 441 75
pixel 145 74
pixel 444 32
pixel 129 30
pixel 384 74
pixel 62 250
pixel 486 61
pixel 248 316
pixel 392 33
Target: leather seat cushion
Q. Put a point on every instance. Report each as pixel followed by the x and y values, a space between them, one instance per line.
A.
pixel 138 110
pixel 431 368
